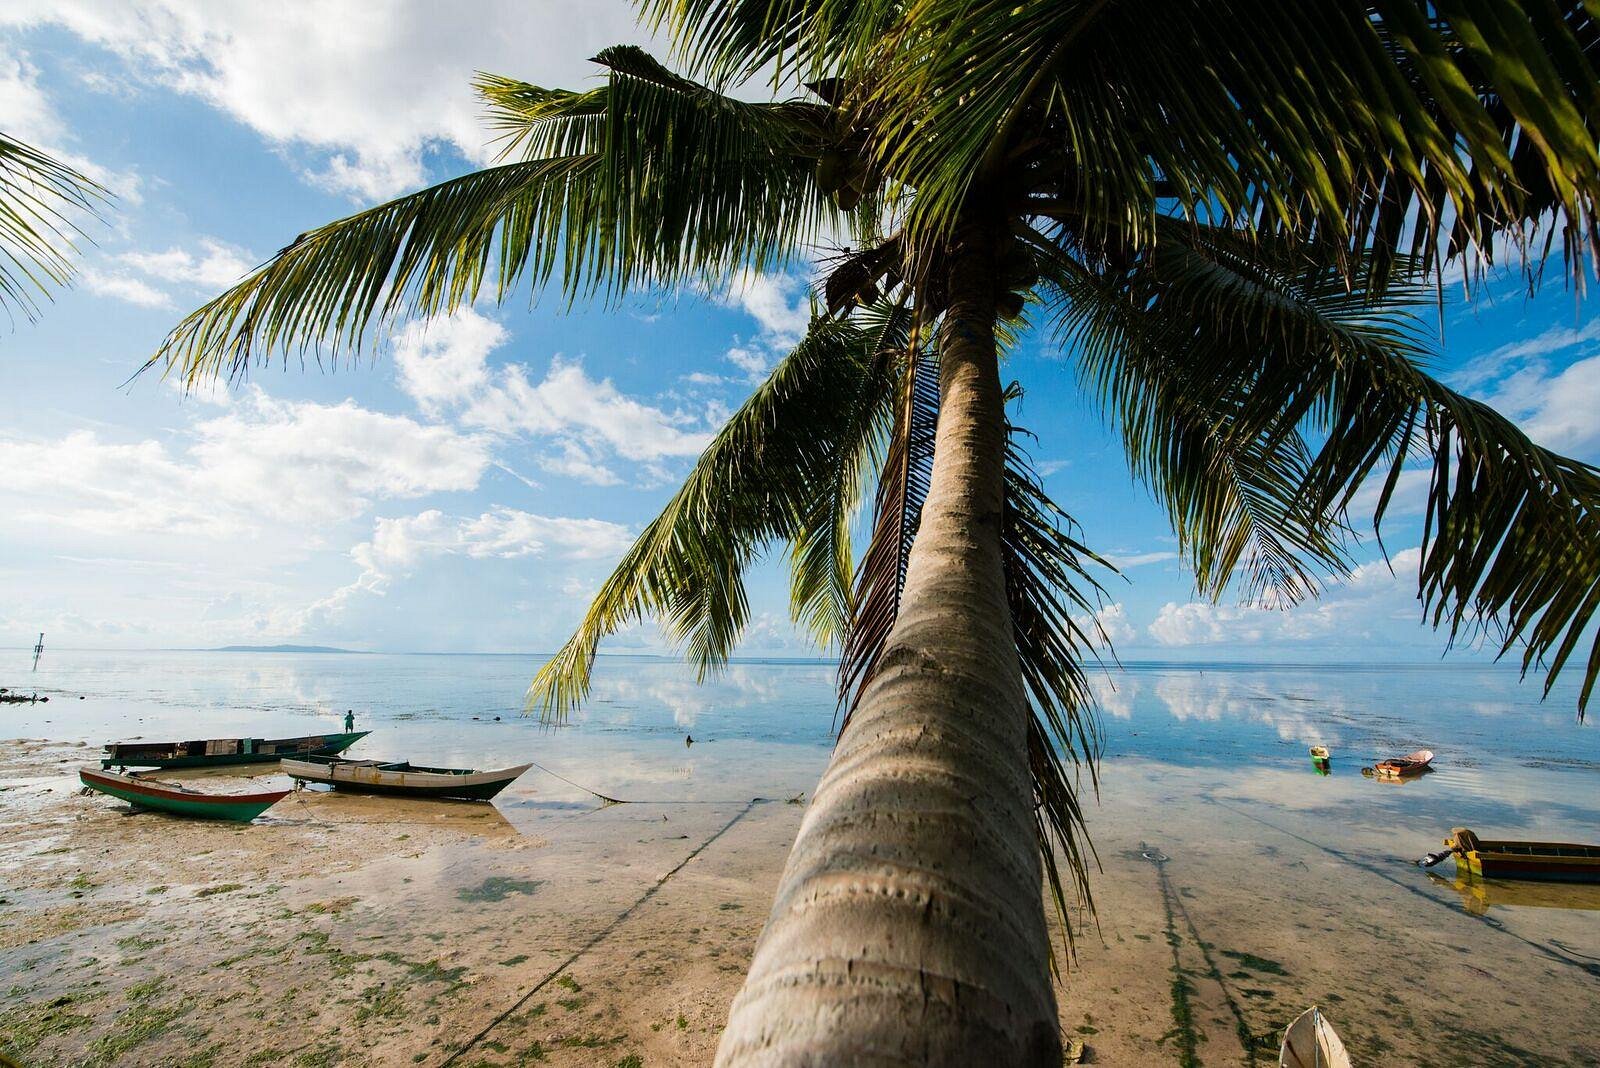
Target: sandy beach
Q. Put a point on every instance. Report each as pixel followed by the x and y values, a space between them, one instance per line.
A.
pixel 548 930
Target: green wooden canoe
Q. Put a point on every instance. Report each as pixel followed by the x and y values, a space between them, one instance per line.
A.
pixel 218 752
pixel 166 797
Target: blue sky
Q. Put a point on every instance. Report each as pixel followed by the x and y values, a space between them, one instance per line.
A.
pixel 468 487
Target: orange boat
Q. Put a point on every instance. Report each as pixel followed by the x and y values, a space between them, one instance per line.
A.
pixel 1410 764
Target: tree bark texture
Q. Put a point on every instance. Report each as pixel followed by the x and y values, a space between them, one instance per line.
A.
pixel 908 927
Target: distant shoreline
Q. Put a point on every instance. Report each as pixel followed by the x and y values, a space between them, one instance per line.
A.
pixel 285 649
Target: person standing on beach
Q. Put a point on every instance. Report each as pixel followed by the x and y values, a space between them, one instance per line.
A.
pixel 349 720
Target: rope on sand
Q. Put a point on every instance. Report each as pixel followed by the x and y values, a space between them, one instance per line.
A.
pixel 604 932
pixel 585 789
pixel 607 799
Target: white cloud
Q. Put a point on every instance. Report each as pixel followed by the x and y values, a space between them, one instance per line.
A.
pixel 780 303
pixel 1372 594
pixel 568 402
pixel 443 365
pixel 217 265
pixel 123 287
pixel 1123 562
pixel 368 89
pixel 781 306
pixel 1114 624
pixel 1498 361
pixel 261 463
pixel 1109 622
pixel 444 362
pixel 399 545
pixel 25 110
pixel 26 113
pixel 1556 410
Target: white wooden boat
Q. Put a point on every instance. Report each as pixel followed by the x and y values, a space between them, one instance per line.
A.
pixel 403 778
pixel 1311 1042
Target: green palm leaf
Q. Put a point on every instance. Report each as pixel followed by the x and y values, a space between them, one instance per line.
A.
pixel 39 197
pixel 649 179
pixel 1053 598
pixel 1259 347
pixel 783 469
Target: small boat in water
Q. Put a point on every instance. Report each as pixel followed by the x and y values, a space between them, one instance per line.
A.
pixel 1560 862
pixel 1311 1042
pixel 216 752
pixel 1410 764
pixel 175 799
pixel 403 778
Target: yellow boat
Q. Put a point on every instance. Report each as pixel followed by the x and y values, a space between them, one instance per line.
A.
pixel 1561 862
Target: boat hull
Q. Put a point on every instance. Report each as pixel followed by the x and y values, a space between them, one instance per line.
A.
pixel 241 808
pixel 1555 862
pixel 1311 1042
pixel 174 755
pixel 371 777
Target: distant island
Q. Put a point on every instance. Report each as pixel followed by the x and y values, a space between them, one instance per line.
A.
pixel 284 649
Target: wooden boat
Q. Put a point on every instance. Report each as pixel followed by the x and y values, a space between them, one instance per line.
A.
pixel 170 797
pixel 1410 764
pixel 1311 1042
pixel 216 752
pixel 403 778
pixel 1560 862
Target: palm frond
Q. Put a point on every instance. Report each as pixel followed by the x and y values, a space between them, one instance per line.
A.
pixel 1273 350
pixel 903 482
pixel 732 40
pixel 39 198
pixel 789 446
pixel 821 557
pixel 1182 353
pixel 649 179
pixel 1054 598
pixel 1396 124
pixel 1511 534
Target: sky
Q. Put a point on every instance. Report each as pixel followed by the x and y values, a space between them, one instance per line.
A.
pixel 468 486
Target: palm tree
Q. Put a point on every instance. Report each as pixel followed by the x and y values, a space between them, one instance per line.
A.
pixel 1226 216
pixel 39 200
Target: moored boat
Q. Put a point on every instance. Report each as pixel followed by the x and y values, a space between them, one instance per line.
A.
pixel 1410 764
pixel 402 778
pixel 218 752
pixel 1311 1042
pixel 1562 862
pixel 175 799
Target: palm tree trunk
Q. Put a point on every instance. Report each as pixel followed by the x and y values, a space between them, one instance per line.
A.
pixel 908 927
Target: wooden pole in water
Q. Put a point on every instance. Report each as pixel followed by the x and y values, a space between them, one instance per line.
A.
pixel 38 651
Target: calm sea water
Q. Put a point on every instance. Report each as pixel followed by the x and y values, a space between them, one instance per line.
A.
pixel 1481 721
pixel 1209 814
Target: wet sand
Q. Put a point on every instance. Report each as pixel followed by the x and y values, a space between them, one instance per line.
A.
pixel 544 930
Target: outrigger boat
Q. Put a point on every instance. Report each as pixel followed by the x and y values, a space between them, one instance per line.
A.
pixel 1311 1042
pixel 1399 767
pixel 1560 862
pixel 170 797
pixel 217 752
pixel 403 778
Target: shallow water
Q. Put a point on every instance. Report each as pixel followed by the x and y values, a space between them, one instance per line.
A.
pixel 1273 885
